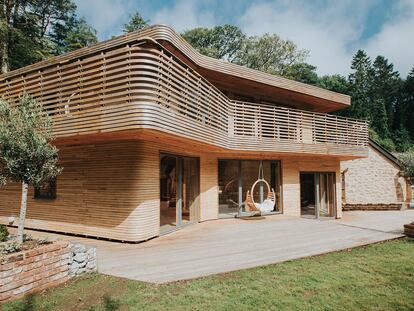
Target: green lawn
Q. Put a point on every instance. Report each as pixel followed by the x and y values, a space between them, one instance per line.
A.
pixel 376 277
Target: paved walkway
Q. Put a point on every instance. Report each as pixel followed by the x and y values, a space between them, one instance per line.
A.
pixel 233 244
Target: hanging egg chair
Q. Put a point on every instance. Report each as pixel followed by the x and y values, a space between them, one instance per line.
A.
pixel 254 208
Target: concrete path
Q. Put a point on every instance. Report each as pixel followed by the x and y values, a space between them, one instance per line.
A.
pixel 233 244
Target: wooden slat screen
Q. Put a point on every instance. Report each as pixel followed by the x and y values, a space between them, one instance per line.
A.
pixel 144 86
pixel 278 123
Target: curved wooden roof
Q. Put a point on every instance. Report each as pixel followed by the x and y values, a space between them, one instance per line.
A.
pixel 166 36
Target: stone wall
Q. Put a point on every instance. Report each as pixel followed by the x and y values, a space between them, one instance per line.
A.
pixel 374 180
pixel 372 207
pixel 45 266
pixel 83 259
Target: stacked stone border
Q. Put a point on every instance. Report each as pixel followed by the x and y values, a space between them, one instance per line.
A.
pixel 372 207
pixel 43 267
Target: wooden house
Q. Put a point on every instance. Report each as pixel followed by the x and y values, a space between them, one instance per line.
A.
pixel 154 136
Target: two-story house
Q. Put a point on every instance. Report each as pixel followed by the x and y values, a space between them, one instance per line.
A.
pixel 154 136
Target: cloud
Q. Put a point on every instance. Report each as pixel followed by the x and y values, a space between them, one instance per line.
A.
pixel 326 31
pixel 395 40
pixel 106 16
pixel 331 30
pixel 184 15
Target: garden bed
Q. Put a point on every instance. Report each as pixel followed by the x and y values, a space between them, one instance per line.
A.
pixel 38 264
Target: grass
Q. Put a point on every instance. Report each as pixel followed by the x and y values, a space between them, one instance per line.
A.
pixel 375 277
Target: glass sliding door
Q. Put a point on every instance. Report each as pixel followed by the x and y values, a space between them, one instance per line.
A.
pixel 189 190
pixel 229 200
pixel 307 194
pixel 326 186
pixel 249 173
pixel 236 177
pixel 318 194
pixel 168 192
pixel 179 191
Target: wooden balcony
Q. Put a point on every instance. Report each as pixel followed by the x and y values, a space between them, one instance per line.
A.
pixel 143 86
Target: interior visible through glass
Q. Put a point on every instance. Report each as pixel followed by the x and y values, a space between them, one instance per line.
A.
pixel 190 190
pixel 168 192
pixel 179 189
pixel 236 177
pixel 317 194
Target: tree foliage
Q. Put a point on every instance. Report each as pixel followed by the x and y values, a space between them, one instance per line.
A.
pixel 271 54
pixel 407 163
pixel 302 72
pixel 335 83
pixel 221 42
pixel 33 30
pixel 25 150
pixel 26 153
pixel 268 53
pixel 380 96
pixel 74 34
pixel 136 22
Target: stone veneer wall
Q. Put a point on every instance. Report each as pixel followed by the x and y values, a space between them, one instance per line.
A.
pixel 374 183
pixel 45 266
pixel 372 207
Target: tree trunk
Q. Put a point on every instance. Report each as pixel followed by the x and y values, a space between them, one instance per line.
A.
pixel 5 56
pixel 6 11
pixel 23 208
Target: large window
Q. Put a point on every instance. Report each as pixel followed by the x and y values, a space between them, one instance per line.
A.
pixel 47 190
pixel 236 177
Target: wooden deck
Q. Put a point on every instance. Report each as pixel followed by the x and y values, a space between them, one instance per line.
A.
pixel 227 245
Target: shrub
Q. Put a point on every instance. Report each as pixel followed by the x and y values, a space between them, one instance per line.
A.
pixel 27 237
pixel 4 233
pixel 43 241
pixel 407 162
pixel 9 248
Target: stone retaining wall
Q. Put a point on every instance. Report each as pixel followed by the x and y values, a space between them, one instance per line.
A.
pixel 45 266
pixel 371 207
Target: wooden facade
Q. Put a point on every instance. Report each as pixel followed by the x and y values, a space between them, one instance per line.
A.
pixel 118 105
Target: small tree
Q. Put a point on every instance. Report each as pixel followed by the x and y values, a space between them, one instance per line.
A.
pixel 407 162
pixel 26 153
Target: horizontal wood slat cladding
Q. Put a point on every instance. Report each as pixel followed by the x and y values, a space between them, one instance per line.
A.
pixel 106 190
pixel 168 37
pixel 110 190
pixel 145 87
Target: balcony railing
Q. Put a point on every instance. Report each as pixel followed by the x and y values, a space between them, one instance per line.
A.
pixel 144 87
pixel 279 123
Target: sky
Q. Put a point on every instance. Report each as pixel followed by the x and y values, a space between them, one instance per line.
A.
pixel 332 31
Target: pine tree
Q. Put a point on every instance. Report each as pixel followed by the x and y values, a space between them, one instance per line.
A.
pixel 379 118
pixel 136 22
pixel 73 34
pixel 386 85
pixel 360 81
pixel 407 109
